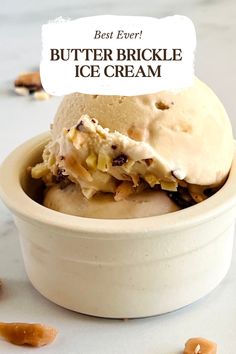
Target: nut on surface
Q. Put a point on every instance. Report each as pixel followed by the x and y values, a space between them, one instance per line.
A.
pixel 32 334
pixel 200 346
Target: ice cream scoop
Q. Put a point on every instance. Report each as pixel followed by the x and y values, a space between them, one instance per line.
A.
pixel 189 129
pixel 180 142
pixel 71 201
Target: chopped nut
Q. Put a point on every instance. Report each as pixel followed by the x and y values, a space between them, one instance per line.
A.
pixel 128 165
pixel 123 191
pixel 88 192
pixel 22 91
pixel 104 182
pixel 135 179
pixel 33 334
pixel 104 162
pixel 120 160
pixel 169 186
pixel 39 170
pixel 200 346
pixel 77 169
pixel 41 95
pixel 91 161
pixel 151 179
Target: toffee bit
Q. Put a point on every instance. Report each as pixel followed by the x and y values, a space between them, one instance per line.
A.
pixel 29 80
pixel 200 346
pixel 120 160
pixel 79 126
pixel 31 334
pixel 114 147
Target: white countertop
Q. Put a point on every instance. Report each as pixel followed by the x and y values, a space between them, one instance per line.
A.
pixel 213 317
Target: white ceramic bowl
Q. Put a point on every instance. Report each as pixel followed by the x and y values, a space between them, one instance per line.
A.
pixel 119 268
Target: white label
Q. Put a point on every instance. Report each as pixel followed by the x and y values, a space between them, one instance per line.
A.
pixel 117 55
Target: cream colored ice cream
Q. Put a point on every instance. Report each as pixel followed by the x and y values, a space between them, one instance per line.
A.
pixel 189 129
pixel 124 145
pixel 71 201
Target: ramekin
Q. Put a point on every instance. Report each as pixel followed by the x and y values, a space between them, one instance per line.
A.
pixel 123 268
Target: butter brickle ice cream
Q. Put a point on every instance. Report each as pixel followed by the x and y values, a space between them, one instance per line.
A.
pixel 122 157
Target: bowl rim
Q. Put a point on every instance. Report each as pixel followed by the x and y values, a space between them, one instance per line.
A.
pixel 13 195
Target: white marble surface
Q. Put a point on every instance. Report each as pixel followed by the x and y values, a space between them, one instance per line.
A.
pixel 214 316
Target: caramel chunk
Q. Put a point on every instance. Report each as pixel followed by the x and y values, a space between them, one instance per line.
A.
pixel 200 346
pixel 30 81
pixel 33 334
